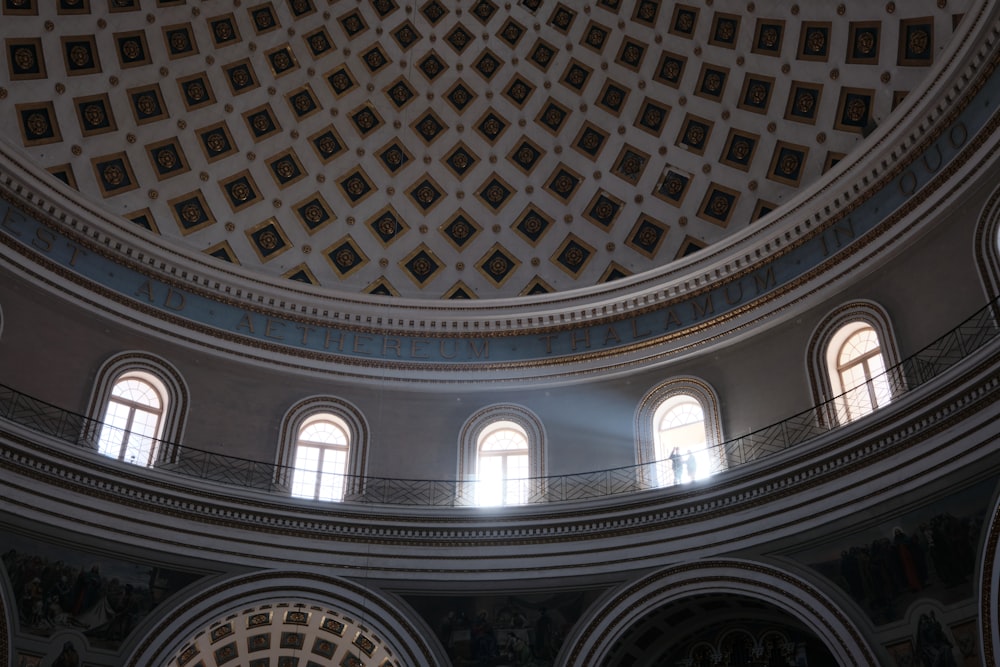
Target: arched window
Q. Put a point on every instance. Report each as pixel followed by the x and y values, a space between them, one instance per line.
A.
pixel 323 450
pixel 857 371
pixel 850 352
pixel 132 425
pixel 678 431
pixel 503 465
pixel 321 453
pixel 681 439
pixel 502 457
pixel 139 405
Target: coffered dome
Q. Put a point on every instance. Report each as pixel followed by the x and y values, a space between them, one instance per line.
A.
pixel 437 149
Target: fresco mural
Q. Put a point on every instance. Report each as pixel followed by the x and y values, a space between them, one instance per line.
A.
pixel 928 552
pixel 56 587
pixel 28 660
pixel 516 630
pixel 934 645
pixel 967 642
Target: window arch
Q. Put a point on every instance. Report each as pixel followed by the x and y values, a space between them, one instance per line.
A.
pixel 987 246
pixel 323 450
pixel 849 355
pixel 503 455
pixel 678 433
pixel 139 405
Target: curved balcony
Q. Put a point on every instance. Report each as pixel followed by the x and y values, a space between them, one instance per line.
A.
pixel 973 334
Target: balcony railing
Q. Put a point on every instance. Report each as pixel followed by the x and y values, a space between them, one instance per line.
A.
pixel 971 335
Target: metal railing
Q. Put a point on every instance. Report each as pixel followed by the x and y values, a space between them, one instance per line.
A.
pixel 944 353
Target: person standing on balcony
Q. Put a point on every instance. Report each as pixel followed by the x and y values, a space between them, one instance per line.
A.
pixel 678 464
pixel 692 465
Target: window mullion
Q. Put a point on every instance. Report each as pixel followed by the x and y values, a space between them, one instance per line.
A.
pixel 869 382
pixel 320 463
pixel 127 433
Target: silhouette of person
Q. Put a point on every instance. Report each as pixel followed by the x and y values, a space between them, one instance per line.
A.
pixel 933 647
pixel 678 464
pixel 692 464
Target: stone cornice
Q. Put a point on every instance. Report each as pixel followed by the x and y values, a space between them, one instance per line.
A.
pixel 824 235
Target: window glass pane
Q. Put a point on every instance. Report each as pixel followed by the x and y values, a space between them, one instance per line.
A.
pixel 688 412
pixel 681 442
pixel 307 458
pixel 861 372
pixel 856 399
pixel 323 432
pixel 517 466
pixel 144 423
pixel 334 460
pixel 321 459
pixel 882 390
pixel 859 344
pixel 128 433
pixel 853 376
pixel 858 402
pixel 110 441
pixel 503 460
pixel 306 471
pixel 141 449
pixel 517 479
pixel 505 439
pixel 876 365
pixel 489 490
pixel 332 481
pixel 138 450
pixel 331 486
pixel 117 415
pixel 137 391
pixel 304 483
pixel 879 380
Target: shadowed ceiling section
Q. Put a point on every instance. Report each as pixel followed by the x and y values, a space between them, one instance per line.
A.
pixel 715 629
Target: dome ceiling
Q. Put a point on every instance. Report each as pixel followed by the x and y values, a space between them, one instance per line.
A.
pixel 441 149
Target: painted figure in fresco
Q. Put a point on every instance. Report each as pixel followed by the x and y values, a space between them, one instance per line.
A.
pixel 68 657
pixel 484 643
pixel 517 651
pixel 933 647
pixel 545 636
pixel 886 574
pixel 677 463
pixel 954 551
pixel 907 570
pixel 55 594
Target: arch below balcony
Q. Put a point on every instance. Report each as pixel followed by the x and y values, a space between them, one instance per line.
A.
pixel 596 636
pixel 390 630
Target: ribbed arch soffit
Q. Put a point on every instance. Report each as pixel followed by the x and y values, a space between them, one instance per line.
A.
pixel 387 624
pixel 596 634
